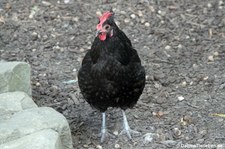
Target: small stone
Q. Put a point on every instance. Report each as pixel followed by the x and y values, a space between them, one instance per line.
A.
pixel 159 11
pixel 157 85
pixel 162 22
pixel 37 84
pixel 216 53
pixel 147 77
pixel 167 47
pixel 210 58
pixel 45 3
pixel 162 13
pixel 195 66
pixel 142 21
pixel 209 5
pixel 152 8
pixel 126 20
pixel 205 10
pixel 180 98
pixel 187 119
pixel 85 146
pixel 133 16
pixel 169 142
pixel 140 14
pixel 98 13
pixel 187 37
pixel 56 47
pixel 34 50
pixel 123 12
pixel 148 137
pixel 99 147
pixel 201 141
pixel 184 83
pixel 220 2
pixel 183 122
pixel 180 46
pixel 203 132
pixel 61 50
pixel 34 35
pixel 116 133
pixel 160 114
pixel 147 24
pixel 8 6
pixel 76 19
pixel 176 132
pixel 117 23
pixel 66 1
pixel 117 146
pixel 81 49
pixel 205 78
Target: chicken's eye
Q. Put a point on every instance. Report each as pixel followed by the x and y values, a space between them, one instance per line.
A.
pixel 107 27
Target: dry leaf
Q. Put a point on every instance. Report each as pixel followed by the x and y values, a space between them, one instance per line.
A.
pixel 2 19
pixel 218 114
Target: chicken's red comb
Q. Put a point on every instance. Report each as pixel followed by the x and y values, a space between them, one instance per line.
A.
pixel 105 16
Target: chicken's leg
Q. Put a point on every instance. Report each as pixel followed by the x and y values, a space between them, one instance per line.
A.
pixel 126 127
pixel 104 131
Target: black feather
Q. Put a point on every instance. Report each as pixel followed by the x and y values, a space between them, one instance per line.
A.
pixel 111 74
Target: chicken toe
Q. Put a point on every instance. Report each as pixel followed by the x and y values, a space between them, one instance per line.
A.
pixel 126 128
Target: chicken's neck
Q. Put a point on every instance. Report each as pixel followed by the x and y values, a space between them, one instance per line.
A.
pixel 111 48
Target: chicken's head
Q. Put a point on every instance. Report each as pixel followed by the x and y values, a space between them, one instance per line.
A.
pixel 104 27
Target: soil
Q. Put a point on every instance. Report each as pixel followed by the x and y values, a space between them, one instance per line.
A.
pixel 181 44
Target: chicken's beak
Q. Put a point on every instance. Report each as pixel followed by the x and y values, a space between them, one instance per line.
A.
pixel 97 32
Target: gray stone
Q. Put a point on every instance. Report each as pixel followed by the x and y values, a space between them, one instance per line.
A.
pixel 15 76
pixel 12 102
pixel 32 120
pixel 45 139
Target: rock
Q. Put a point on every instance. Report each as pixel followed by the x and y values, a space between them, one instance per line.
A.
pixel 209 5
pixel 180 98
pixel 177 132
pixel 12 102
pixel 180 46
pixel 44 139
pixel 15 76
pixel 45 3
pixel 140 14
pixel 148 137
pixel 126 20
pixel 32 120
pixel 168 47
pixel 210 58
pixel 147 24
pixel 215 53
pixel 98 13
pixel 169 142
pixel 133 16
pixel 117 146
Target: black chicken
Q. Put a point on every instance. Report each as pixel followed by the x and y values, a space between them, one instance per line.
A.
pixel 111 74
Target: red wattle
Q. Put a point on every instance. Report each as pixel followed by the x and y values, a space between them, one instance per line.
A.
pixel 102 36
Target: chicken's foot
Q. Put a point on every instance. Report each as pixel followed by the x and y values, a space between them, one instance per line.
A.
pixel 126 127
pixel 104 131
